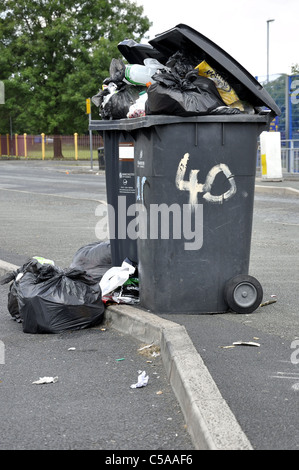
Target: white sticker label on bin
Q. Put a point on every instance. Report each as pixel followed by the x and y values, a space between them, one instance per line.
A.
pixel 126 151
pixel 195 188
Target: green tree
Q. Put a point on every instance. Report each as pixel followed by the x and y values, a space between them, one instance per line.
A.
pixel 295 69
pixel 54 54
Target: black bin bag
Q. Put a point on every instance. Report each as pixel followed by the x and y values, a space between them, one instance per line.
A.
pixel 94 258
pixel 48 299
pixel 188 96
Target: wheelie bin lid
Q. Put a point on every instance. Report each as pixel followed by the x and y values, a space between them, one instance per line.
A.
pixel 183 38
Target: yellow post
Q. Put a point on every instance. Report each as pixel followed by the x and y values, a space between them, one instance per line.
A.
pixel 7 143
pixel 43 146
pixel 25 145
pixel 16 142
pixel 76 145
pixel 88 106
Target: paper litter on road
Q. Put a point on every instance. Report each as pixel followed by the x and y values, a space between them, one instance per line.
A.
pixel 45 380
pixel 142 380
pixel 146 347
pixel 246 343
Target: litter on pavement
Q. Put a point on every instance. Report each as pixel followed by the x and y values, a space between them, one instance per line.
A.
pixel 45 298
pixel 45 380
pixel 178 73
pixel 142 380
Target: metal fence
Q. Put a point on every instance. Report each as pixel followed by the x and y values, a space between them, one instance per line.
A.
pixel 76 147
pixel 290 155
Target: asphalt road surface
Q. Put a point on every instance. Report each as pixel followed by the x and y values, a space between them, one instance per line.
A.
pixel 49 209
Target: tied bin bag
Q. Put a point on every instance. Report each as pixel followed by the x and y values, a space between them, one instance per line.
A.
pixel 48 299
pixel 193 95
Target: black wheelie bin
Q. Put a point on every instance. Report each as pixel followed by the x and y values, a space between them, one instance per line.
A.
pixel 195 179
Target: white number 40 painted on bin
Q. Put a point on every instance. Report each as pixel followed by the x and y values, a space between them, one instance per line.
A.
pixel 194 187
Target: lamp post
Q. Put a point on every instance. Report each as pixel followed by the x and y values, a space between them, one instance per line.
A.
pixel 268 22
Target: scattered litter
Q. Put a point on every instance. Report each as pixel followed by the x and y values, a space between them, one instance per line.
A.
pixel 150 350
pixel 246 343
pixel 241 343
pixel 146 347
pixel 155 354
pixel 142 380
pixel 116 277
pixel 46 380
pixel 159 393
pixel 120 359
pixel 268 302
pixel 71 349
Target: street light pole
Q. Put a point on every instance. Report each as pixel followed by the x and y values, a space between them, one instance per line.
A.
pixel 268 22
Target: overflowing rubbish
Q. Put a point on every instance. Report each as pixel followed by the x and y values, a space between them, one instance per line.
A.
pixel 142 380
pixel 177 88
pixel 181 83
pixel 116 97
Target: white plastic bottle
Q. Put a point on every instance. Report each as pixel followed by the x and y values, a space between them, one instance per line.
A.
pixel 137 74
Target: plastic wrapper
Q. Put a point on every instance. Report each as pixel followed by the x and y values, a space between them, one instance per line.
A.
pixel 116 277
pixel 128 293
pixel 116 97
pixel 138 108
pixel 226 92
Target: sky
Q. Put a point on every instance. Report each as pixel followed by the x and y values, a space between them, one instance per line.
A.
pixel 237 26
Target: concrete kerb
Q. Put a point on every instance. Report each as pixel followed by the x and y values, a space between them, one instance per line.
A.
pixel 210 422
pixel 6 267
pixel 278 190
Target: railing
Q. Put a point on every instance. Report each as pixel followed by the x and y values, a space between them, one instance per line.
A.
pixel 40 146
pixel 77 147
pixel 290 156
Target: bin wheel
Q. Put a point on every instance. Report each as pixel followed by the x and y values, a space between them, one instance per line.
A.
pixel 243 293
